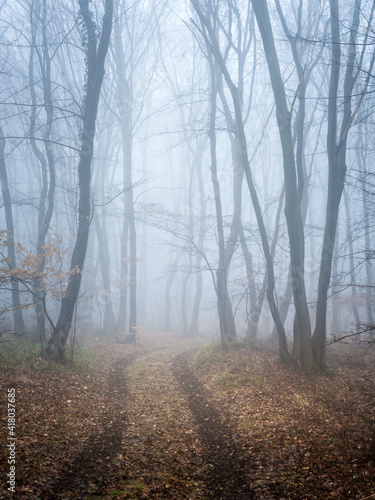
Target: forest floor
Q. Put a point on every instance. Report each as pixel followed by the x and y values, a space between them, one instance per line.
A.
pixel 176 419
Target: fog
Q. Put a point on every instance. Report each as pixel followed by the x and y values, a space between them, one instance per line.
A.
pixel 208 186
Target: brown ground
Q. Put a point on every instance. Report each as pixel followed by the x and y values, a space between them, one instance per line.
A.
pixel 167 420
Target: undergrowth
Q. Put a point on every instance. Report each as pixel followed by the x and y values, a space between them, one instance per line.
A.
pixel 20 351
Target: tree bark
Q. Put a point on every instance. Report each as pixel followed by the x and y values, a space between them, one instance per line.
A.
pixel 351 263
pixel 47 161
pixel 336 169
pixel 227 326
pixel 292 201
pixel 252 292
pixel 19 325
pixel 95 59
pixel 167 293
pixel 213 47
pixel 129 237
pixel 193 328
pixel 226 319
pixel 361 152
pixel 109 322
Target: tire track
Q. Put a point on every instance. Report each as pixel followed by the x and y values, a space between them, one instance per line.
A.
pixel 229 466
pixel 87 473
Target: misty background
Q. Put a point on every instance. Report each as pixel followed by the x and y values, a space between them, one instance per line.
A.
pixel 174 241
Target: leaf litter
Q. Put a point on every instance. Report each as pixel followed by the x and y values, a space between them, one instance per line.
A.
pixel 164 419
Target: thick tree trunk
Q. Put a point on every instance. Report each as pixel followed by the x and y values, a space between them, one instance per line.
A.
pixel 335 188
pixel 95 58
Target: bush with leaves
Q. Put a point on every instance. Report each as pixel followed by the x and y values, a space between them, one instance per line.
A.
pixel 43 273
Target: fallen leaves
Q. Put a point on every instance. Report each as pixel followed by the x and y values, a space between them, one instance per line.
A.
pixel 131 429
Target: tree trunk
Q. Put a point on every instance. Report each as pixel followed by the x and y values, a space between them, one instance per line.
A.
pixel 252 292
pixel 335 325
pixel 129 237
pixel 19 325
pixel 123 302
pixel 167 293
pixel 336 169
pixel 95 58
pixel 109 322
pixel 351 263
pixel 367 228
pixel 254 318
pixel 47 162
pixel 214 49
pixel 227 326
pixel 292 202
pixel 193 328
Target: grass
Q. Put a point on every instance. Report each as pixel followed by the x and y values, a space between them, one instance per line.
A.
pixel 22 352
pixel 133 486
pixel 209 354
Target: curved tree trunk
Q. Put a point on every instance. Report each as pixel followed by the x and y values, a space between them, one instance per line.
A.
pixel 47 161
pixel 95 58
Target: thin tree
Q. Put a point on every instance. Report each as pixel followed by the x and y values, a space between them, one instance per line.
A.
pixel 95 58
pixel 211 41
pixel 19 325
pixel 336 150
pixel 39 22
pixel 292 199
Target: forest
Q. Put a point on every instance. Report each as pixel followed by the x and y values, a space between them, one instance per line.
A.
pixel 186 249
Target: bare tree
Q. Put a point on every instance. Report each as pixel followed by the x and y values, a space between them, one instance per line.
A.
pixel 336 149
pixel 40 50
pixel 292 198
pixel 212 44
pixel 95 58
pixel 19 325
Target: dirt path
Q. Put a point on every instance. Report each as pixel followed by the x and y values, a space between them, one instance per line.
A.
pixel 228 466
pixel 161 421
pixel 88 471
